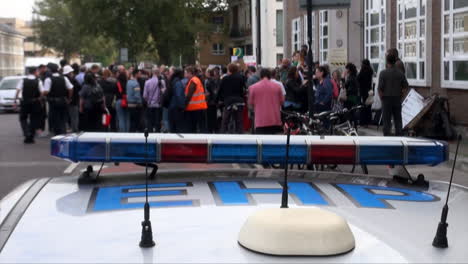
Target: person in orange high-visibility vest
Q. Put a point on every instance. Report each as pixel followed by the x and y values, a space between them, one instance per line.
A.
pixel 195 103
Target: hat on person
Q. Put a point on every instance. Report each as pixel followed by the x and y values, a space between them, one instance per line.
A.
pixel 67 69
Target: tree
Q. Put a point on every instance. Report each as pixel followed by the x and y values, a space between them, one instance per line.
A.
pixel 164 29
pixel 56 28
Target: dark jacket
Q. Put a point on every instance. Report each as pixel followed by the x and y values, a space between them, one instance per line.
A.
pixel 232 89
pixel 294 91
pixel 352 86
pixel 392 82
pixel 212 87
pixel 178 95
pixel 364 78
pixel 110 91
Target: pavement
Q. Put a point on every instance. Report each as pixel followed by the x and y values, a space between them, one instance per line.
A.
pixel 20 163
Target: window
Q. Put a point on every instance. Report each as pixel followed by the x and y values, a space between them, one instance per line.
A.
pixel 305 40
pixel 323 37
pixel 296 35
pixel 218 49
pixel 374 22
pixel 412 38
pixel 455 44
pixel 279 28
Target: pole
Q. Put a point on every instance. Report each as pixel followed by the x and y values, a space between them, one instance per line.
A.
pixel 310 60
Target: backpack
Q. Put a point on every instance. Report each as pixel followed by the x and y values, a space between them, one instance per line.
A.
pixel 96 95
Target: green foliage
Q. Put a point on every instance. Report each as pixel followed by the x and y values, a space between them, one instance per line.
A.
pixel 150 29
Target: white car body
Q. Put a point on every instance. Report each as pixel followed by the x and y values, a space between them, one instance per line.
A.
pixel 8 92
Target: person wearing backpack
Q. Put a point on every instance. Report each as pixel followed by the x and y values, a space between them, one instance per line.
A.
pixel 92 104
pixel 152 94
pixel 59 91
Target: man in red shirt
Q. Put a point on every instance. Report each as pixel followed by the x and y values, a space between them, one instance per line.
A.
pixel 266 99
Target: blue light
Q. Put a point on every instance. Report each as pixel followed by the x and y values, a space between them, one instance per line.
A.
pixel 427 153
pixel 64 147
pixel 233 153
pixel 276 153
pixel 91 151
pixel 378 153
pixel 132 152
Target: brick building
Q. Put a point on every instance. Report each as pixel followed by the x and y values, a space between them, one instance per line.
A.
pixel 213 45
pixel 431 36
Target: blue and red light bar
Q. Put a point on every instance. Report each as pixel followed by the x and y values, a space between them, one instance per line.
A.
pixel 255 149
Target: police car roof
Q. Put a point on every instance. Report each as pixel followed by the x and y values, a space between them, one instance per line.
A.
pixel 196 217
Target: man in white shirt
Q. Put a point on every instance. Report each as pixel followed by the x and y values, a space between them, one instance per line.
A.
pixel 59 91
pixel 31 107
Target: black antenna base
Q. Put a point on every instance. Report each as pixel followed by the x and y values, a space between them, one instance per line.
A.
pixel 146 231
pixel 146 235
pixel 440 239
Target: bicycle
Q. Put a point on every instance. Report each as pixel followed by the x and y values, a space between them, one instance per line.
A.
pixel 346 128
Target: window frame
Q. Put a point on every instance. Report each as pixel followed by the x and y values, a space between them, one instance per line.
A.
pixel 322 37
pixel 381 26
pixel 295 21
pixel 314 42
pixel 218 51
pixel 451 58
pixel 418 59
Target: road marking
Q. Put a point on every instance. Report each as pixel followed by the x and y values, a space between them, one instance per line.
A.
pixel 31 164
pixel 71 168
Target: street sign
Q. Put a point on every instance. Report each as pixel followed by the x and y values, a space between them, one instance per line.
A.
pixel 325 4
pixel 123 55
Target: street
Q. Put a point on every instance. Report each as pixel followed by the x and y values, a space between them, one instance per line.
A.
pixel 20 163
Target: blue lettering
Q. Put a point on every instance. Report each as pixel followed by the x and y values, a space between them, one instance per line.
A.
pixel 364 196
pixel 232 193
pixel 111 198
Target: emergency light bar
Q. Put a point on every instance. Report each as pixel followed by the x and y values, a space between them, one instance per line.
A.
pixel 255 149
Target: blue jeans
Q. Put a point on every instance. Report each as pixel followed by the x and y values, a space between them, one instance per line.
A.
pixel 122 117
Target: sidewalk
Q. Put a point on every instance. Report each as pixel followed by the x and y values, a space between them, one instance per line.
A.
pixel 462 160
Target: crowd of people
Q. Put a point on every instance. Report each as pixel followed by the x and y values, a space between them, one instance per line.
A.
pixel 194 99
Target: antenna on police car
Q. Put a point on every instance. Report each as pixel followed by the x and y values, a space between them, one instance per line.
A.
pixel 284 197
pixel 146 231
pixel 440 239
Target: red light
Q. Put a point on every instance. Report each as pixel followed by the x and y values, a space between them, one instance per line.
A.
pixel 184 152
pixel 333 154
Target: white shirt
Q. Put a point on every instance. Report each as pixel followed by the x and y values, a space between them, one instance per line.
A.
pixel 281 85
pixel 19 87
pixel 48 83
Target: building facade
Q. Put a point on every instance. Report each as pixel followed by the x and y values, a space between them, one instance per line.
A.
pixel 11 51
pixel 213 46
pixel 430 35
pixel 240 26
pixel 337 35
pixel 267 32
pixel 31 47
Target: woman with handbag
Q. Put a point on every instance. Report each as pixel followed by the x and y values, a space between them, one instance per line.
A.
pixel 121 105
pixel 109 87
